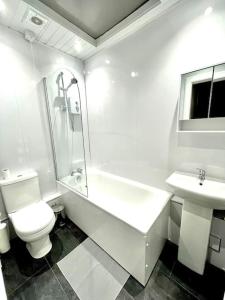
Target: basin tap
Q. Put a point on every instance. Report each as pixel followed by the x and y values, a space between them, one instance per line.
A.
pixel 201 175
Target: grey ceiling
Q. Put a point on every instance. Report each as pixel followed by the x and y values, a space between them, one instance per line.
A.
pixel 95 17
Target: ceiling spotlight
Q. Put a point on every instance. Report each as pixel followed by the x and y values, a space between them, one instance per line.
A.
pixel 2 6
pixel 133 74
pixel 107 61
pixel 78 46
pixel 208 11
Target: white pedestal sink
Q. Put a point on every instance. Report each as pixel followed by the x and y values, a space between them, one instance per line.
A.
pixel 197 211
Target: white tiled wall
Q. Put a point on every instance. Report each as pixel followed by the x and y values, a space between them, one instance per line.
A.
pixel 24 131
pixel 133 119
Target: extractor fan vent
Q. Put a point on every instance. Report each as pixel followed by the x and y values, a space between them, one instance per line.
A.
pixel 33 20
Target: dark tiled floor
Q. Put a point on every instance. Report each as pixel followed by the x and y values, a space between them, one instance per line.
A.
pixel 30 279
pixel 209 286
pixel 171 280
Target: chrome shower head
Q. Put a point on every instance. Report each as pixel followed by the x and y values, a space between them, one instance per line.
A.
pixel 73 81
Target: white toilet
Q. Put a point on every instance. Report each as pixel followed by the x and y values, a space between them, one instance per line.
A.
pixel 32 218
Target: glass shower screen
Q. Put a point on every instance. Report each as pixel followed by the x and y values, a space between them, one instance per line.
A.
pixel 65 120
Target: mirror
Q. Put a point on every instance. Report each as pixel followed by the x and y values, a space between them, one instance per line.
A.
pixel 217 107
pixel 202 99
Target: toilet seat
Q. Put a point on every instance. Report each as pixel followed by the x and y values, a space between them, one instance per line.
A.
pixel 32 219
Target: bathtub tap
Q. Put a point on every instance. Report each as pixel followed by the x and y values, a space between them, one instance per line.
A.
pixel 78 170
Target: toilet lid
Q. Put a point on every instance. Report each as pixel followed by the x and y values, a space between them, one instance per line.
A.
pixel 32 218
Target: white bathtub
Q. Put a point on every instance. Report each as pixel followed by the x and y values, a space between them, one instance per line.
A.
pixel 127 219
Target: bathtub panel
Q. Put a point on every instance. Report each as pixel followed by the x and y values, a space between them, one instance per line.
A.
pixel 122 217
pixel 125 244
pixel 156 238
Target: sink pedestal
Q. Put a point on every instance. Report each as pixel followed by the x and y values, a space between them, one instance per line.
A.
pixel 200 200
pixel 194 236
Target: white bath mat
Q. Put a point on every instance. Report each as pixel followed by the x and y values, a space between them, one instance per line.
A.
pixel 92 273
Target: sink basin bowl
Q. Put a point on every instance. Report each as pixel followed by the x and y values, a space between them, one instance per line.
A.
pixel 210 194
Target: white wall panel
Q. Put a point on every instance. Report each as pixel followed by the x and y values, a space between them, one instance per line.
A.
pixel 24 132
pixel 133 119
